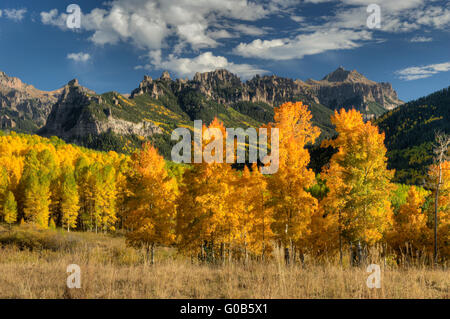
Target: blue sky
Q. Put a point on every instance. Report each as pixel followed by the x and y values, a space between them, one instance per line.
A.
pixel 121 40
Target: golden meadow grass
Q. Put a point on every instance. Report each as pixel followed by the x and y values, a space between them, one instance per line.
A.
pixel 109 269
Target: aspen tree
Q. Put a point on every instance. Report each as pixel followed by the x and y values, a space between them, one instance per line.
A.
pixel 258 215
pixel 205 218
pixel 9 210
pixel 37 177
pixel 150 213
pixel 358 180
pixel 441 209
pixel 69 199
pixel 4 184
pixel 410 223
pixel 293 205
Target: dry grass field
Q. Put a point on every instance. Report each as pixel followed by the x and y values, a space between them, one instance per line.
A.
pixel 33 265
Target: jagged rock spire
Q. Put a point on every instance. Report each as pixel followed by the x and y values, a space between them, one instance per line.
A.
pixel 165 76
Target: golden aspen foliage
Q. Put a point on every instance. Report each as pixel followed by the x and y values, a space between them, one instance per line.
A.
pixel 443 207
pixel 83 176
pixel 4 185
pixel 35 167
pixel 103 197
pixel 35 187
pixel 52 224
pixel 9 209
pixel 69 199
pixel 410 223
pixel 123 170
pixel 14 167
pixel 213 211
pixel 150 214
pixel 323 238
pixel 205 215
pixel 256 217
pixel 293 205
pixel 358 180
pixel 205 211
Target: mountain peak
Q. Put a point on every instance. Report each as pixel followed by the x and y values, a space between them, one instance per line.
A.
pixel 73 82
pixel 74 86
pixel 343 75
pixel 218 75
pixel 24 101
pixel 165 76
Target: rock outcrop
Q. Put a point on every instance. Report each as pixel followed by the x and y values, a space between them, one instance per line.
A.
pixel 6 122
pixel 80 112
pixel 341 88
pixel 24 104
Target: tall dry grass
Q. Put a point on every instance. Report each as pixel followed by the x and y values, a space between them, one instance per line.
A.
pixel 112 270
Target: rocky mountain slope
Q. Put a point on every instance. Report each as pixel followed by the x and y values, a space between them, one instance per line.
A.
pixel 22 106
pixel 340 88
pixel 350 89
pixel 78 113
pixel 157 106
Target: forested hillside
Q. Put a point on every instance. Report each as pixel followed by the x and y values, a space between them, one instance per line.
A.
pixel 410 132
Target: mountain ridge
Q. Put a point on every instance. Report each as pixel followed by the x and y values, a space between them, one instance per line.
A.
pixel 23 105
pixel 157 106
pixel 274 90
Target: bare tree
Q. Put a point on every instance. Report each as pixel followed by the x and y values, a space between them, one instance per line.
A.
pixel 440 149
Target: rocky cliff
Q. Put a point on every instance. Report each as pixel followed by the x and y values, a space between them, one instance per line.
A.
pixel 22 106
pixel 80 112
pixel 341 88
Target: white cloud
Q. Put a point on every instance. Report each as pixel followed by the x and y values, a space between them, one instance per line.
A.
pixel 220 34
pixel 318 1
pixel 304 44
pixel 54 18
pixel 345 29
pixel 201 25
pixel 396 16
pixel 79 57
pixel 388 5
pixel 249 29
pixel 204 62
pixel 14 14
pixel 355 18
pixel 421 72
pixel 436 17
pixel 297 19
pixel 421 39
pixel 148 23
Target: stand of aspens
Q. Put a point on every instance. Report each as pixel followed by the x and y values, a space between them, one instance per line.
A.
pixel 214 213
